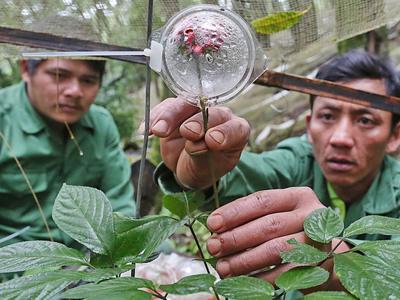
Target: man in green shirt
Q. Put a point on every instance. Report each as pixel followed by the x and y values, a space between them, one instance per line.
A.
pixel 342 162
pixel 37 117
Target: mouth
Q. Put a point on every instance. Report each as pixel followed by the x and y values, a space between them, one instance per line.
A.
pixel 340 164
pixel 68 108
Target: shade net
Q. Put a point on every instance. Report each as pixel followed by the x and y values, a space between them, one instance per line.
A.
pixel 124 22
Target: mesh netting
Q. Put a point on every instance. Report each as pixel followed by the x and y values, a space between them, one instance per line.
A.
pixel 124 22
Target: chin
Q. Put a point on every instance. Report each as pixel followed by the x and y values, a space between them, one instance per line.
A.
pixel 69 119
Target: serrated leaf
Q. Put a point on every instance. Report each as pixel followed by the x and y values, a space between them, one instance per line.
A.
pixel 190 285
pixel 387 251
pixel 85 214
pixel 244 287
pixel 119 288
pixel 138 238
pixel 323 225
pixel 365 277
pixel 34 254
pixel 181 204
pixel 303 254
pixel 277 22
pixel 329 296
pixel 38 286
pixel 373 225
pixel 302 278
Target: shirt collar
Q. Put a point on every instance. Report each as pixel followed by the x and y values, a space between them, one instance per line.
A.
pixel 381 198
pixel 381 195
pixel 32 122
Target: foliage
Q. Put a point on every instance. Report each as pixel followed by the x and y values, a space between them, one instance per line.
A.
pixel 116 243
pixel 121 81
pixel 277 22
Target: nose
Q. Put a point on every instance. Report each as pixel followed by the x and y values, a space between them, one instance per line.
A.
pixel 342 135
pixel 73 89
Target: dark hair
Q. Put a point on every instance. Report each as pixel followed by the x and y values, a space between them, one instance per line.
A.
pixel 358 64
pixel 96 65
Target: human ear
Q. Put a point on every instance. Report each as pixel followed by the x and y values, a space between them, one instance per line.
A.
pixel 394 140
pixel 308 124
pixel 23 67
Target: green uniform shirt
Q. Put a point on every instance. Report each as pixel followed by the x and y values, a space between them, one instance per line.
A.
pixel 292 164
pixel 50 160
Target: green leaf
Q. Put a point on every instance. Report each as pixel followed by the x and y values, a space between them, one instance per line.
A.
pixel 211 261
pixel 119 288
pixel 190 285
pixel 277 22
pixel 202 218
pixel 138 238
pixel 101 261
pixel 97 275
pixel 37 286
pixel 85 214
pixel 323 225
pixel 387 251
pixel 303 254
pixel 34 254
pixel 180 203
pixel 302 278
pixel 373 225
pixel 244 287
pixel 366 277
pixel 328 296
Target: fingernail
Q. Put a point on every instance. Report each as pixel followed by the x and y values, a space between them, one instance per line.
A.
pixel 214 246
pixel 141 128
pixel 215 222
pixel 199 152
pixel 194 127
pixel 223 268
pixel 161 127
pixel 217 136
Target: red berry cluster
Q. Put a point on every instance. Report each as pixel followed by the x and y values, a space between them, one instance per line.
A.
pixel 189 44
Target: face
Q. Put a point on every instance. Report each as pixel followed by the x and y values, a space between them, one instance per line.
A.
pixel 62 90
pixel 349 140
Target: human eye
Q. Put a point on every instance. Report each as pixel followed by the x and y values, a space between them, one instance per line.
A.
pixel 57 75
pixel 366 121
pixel 325 116
pixel 90 80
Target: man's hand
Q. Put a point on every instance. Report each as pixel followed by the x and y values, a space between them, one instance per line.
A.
pixel 184 144
pixel 250 233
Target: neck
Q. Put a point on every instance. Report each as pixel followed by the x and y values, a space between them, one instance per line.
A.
pixel 355 192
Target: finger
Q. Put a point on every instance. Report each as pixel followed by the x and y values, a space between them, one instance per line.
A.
pixel 257 258
pixel 274 273
pixel 256 205
pixel 255 233
pixel 167 116
pixel 230 136
pixel 171 148
pixel 193 128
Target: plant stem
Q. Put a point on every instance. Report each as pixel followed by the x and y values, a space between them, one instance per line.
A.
pixel 204 112
pixel 333 250
pixel 158 295
pixel 202 255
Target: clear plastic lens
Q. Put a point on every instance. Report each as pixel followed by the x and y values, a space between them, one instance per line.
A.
pixel 209 52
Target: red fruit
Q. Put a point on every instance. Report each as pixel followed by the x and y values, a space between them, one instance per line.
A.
pixel 197 49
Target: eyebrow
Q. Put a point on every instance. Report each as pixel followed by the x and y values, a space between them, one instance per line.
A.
pixel 93 75
pixel 358 111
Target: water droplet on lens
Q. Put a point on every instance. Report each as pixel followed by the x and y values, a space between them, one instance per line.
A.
pixel 209 58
